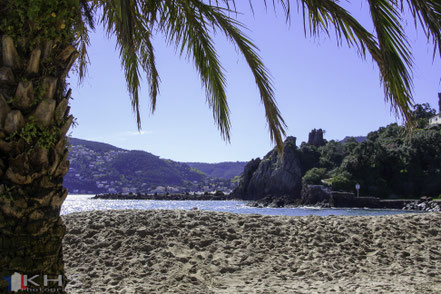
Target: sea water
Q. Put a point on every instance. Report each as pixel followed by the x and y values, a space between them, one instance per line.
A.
pixel 78 203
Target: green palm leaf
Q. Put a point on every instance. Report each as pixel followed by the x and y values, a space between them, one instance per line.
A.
pixel 395 56
pixel 428 13
pixel 190 25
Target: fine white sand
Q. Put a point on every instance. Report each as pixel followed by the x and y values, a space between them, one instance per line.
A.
pixel 206 252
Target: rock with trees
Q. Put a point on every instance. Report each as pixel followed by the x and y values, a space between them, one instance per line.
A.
pixel 391 163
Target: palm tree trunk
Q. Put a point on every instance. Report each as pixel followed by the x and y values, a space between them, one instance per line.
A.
pixel 34 120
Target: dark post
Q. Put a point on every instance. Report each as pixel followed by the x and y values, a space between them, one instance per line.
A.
pixel 439 102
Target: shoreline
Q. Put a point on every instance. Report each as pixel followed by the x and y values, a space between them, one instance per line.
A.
pixel 349 201
pixel 173 197
pixel 171 251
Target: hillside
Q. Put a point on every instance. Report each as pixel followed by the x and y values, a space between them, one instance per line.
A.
pixel 98 167
pixel 95 146
pixel 222 170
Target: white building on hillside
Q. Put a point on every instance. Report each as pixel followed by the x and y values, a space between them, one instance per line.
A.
pixel 436 120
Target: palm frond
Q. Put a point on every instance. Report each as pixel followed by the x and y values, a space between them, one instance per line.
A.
pixel 396 58
pixel 82 24
pixel 428 13
pixel 389 48
pixel 188 24
pixel 231 29
pixel 87 11
pixel 185 24
pixel 122 19
pixel 148 63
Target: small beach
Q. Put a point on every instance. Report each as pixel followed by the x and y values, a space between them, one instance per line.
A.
pixel 181 251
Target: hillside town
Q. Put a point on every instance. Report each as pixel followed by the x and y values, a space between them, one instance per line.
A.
pixel 91 172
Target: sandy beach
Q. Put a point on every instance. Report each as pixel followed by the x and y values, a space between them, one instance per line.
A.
pixel 160 251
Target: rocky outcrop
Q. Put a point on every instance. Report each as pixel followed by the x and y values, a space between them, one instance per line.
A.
pixel 319 195
pixel 273 175
pixel 315 195
pixel 316 138
pixel 275 202
pixel 424 204
pixel 324 197
pixel 247 174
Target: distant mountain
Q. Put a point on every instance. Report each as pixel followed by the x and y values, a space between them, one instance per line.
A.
pixel 96 146
pixel 99 168
pixel 222 170
pixel 359 139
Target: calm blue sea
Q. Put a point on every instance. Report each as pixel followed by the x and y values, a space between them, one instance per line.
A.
pixel 77 203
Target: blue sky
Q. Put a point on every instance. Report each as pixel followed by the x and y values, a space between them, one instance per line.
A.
pixel 317 84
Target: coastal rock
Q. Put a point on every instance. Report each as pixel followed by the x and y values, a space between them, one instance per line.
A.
pixel 315 194
pixel 316 138
pixel 275 202
pixel 247 174
pixel 274 176
pixel 424 204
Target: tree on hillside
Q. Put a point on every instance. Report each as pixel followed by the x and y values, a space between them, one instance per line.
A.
pixel 42 39
pixel 422 113
pixel 392 163
pixel 332 154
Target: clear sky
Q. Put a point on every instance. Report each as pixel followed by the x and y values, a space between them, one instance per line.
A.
pixel 317 85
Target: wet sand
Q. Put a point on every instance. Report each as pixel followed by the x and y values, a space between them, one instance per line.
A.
pixel 163 251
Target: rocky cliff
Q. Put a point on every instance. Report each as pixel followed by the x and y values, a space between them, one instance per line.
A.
pixel 316 138
pixel 273 175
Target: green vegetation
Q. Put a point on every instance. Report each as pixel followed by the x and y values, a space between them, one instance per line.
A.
pixel 41 20
pixel 391 162
pixel 314 176
pixel 35 134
